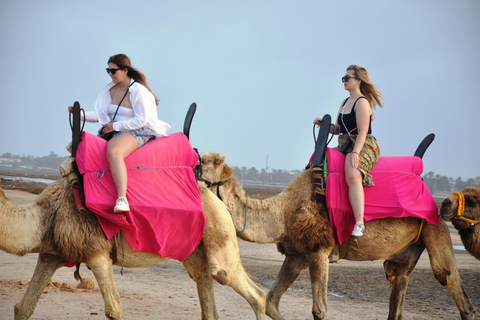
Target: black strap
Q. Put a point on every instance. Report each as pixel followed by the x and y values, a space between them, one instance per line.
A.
pixel 128 89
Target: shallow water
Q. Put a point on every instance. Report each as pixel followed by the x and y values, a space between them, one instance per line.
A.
pixel 47 181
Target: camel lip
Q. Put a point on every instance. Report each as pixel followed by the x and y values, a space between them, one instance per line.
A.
pixel 446 214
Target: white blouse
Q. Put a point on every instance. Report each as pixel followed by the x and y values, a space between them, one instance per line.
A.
pixel 143 107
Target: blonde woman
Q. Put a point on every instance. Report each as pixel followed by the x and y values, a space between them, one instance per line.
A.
pixel 353 124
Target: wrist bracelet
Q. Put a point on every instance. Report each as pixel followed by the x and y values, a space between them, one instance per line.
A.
pixel 354 152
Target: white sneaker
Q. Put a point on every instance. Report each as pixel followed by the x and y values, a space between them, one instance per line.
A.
pixel 121 205
pixel 358 230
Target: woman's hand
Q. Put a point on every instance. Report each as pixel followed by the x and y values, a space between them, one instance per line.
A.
pixel 108 127
pixel 70 109
pixel 318 121
pixel 355 159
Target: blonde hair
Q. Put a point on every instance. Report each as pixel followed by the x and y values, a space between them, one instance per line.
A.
pixel 367 88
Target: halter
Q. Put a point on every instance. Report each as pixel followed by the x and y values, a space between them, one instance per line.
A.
pixel 213 184
pixel 461 210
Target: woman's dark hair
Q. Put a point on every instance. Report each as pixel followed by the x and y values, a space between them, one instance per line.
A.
pixel 122 61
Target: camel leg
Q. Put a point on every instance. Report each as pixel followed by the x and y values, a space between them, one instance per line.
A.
pixel 398 273
pixel 197 267
pixel 291 268
pixel 318 266
pixel 101 266
pixel 46 266
pixel 442 259
pixel 226 267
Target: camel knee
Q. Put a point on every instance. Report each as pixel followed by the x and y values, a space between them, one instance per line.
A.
pixel 221 277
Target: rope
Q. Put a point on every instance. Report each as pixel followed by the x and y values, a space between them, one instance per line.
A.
pixel 419 232
pixel 245 224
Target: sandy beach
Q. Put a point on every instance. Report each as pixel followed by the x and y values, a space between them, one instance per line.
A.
pixel 357 290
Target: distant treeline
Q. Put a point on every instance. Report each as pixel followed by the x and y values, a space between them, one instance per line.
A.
pixel 435 182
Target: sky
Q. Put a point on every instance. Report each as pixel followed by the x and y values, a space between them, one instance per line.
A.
pixel 260 72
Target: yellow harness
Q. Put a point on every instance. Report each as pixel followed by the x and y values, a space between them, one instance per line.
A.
pixel 461 210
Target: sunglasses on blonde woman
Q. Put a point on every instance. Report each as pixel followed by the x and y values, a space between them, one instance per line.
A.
pixel 113 70
pixel 346 78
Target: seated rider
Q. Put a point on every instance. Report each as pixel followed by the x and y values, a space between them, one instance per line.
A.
pixel 353 124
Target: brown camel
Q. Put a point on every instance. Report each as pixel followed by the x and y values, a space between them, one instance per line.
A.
pixel 55 229
pixel 467 219
pixel 302 231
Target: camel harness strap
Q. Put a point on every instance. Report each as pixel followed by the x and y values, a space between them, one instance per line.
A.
pixel 461 209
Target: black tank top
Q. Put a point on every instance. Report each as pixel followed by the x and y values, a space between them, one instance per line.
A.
pixel 348 122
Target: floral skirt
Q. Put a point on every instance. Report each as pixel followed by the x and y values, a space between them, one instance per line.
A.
pixel 368 156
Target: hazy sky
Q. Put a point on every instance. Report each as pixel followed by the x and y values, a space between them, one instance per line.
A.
pixel 259 71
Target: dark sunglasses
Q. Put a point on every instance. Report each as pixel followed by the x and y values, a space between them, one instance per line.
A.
pixel 346 78
pixel 113 70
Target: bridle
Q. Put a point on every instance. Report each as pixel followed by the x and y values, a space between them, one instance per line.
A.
pixel 213 184
pixel 461 210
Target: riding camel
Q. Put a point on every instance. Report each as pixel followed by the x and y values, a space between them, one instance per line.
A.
pixel 302 231
pixel 53 228
pixel 463 210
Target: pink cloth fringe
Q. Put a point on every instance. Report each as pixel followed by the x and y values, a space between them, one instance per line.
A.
pixel 399 192
pixel 166 214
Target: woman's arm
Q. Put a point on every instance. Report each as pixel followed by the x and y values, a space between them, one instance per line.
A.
pixel 362 112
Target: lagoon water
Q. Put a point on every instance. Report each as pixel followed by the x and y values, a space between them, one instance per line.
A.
pixel 47 181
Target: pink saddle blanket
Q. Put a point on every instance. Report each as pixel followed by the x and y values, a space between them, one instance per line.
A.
pixel 399 192
pixel 166 214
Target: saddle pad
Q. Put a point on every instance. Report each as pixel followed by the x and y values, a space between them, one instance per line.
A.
pixel 166 214
pixel 399 192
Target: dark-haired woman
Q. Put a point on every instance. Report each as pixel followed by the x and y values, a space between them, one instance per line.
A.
pixel 136 121
pixel 354 124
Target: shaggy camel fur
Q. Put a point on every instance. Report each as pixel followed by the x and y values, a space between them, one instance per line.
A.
pixel 54 228
pixel 302 231
pixel 469 230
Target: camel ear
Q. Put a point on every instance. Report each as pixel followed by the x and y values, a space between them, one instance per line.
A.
pixel 227 172
pixel 219 159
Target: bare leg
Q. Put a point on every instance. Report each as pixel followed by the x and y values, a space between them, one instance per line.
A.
pixel 356 195
pixel 118 149
pixel 47 264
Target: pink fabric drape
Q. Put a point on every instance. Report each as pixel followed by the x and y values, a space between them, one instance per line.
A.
pixel 166 214
pixel 399 192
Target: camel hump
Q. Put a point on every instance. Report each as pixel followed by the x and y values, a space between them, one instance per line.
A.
pixel 424 145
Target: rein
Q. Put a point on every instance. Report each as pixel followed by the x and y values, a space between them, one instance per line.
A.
pixel 461 210
pixel 221 183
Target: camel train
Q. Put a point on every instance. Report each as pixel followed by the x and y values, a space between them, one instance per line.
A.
pixel 59 232
pixel 302 230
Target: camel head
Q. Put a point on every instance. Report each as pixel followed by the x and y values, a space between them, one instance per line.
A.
pixel 469 208
pixel 214 169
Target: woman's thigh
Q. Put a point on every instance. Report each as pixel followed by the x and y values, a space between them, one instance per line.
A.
pixel 122 145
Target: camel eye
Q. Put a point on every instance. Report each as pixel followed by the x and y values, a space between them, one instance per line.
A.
pixel 470 202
